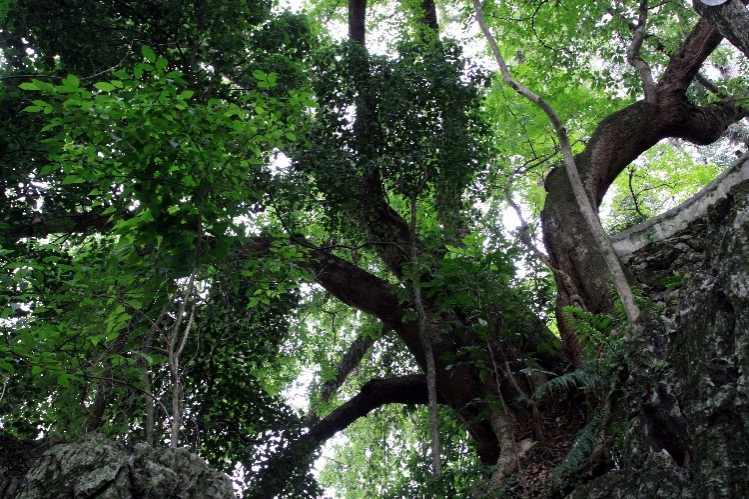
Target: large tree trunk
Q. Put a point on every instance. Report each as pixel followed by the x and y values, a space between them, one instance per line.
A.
pixel 618 140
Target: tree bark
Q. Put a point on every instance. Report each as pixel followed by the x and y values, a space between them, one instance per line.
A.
pixel 730 20
pixel 617 141
pixel 357 10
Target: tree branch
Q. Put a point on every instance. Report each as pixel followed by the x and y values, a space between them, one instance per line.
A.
pixel 274 475
pixel 350 361
pixel 633 54
pixel 375 393
pixel 584 203
pixel 688 58
pixel 74 223
pixel 357 10
pixel 731 20
pixel 617 141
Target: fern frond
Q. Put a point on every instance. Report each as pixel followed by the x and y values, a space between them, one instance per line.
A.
pixel 579 378
pixel 581 448
pixel 641 301
pixel 593 329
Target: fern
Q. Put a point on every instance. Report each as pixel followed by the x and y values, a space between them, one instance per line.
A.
pixel 594 330
pixel 581 448
pixel 581 377
pixel 640 299
pixel 606 363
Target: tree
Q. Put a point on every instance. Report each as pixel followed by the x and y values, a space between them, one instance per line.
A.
pixel 203 200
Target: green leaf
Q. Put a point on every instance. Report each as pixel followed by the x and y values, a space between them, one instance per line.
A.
pixel 71 81
pixel 72 179
pixel 259 75
pixel 104 86
pixel 148 53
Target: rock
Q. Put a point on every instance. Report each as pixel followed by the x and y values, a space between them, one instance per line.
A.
pixel 97 467
pixel 686 414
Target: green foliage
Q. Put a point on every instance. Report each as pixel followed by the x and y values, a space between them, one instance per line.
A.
pixel 583 379
pixel 172 176
pixel 65 310
pixel 158 161
pixel 672 282
pixel 165 166
pixel 600 378
pixel 661 179
pixel 442 128
pixel 235 413
pixel 396 438
pixel 596 332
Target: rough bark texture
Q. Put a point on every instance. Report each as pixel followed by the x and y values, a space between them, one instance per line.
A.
pixel 685 423
pixel 96 467
pixel 730 19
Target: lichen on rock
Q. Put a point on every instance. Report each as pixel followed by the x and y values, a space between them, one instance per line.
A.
pixel 686 411
pixel 97 467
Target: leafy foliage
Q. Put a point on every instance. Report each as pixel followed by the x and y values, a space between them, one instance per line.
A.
pixel 445 128
pixel 178 179
pixel 397 438
pixel 664 177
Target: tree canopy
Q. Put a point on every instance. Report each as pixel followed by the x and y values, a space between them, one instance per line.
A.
pixel 214 208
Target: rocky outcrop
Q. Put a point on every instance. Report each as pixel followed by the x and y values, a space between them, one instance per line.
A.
pixel 97 467
pixel 684 425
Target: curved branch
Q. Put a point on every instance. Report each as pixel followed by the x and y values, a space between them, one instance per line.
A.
pixel 584 205
pixel 356 287
pixel 373 394
pixel 294 459
pixel 617 141
pixel 350 361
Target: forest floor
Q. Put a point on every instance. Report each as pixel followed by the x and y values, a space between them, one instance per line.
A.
pixel 537 466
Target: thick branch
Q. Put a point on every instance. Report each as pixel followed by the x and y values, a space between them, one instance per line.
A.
pixel 618 140
pixel 357 10
pixel 583 201
pixel 350 361
pixel 75 223
pixel 429 17
pixel 375 393
pixel 689 57
pixel 384 224
pixel 356 287
pixel 730 20
pixel 277 472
